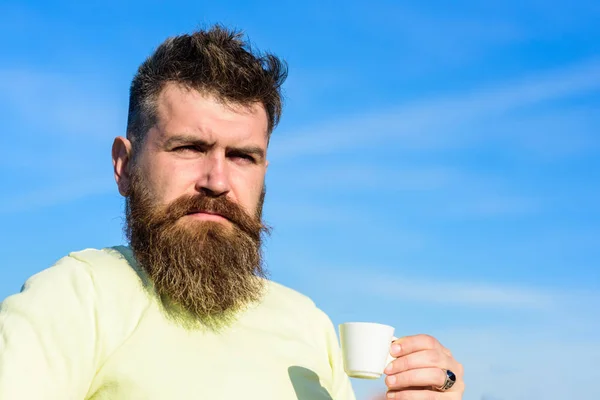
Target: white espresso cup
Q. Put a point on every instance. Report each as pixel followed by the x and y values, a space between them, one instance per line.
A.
pixel 366 348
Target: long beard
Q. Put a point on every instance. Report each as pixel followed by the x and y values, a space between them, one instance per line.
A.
pixel 208 270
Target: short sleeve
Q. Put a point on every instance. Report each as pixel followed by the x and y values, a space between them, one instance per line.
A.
pixel 48 335
pixel 341 385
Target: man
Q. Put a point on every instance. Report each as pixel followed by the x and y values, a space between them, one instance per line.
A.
pixel 185 312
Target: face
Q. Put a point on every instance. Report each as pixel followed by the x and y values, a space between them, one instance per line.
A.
pixel 194 199
pixel 200 145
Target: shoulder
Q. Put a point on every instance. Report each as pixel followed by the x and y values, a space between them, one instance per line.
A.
pixel 103 279
pixel 287 297
pixel 118 280
pixel 108 263
pixel 294 311
pixel 292 302
pixel 111 267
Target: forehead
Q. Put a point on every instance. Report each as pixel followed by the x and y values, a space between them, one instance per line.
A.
pixel 182 110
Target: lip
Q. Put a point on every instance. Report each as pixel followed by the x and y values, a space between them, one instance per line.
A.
pixel 207 216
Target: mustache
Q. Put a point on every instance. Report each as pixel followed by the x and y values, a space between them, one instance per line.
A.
pixel 222 206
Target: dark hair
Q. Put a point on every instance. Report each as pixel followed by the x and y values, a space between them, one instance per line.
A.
pixel 215 61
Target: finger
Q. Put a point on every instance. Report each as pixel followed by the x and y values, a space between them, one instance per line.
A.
pixel 422 377
pixel 421 359
pixel 415 395
pixel 411 344
pixel 420 394
pixel 448 352
pixel 458 369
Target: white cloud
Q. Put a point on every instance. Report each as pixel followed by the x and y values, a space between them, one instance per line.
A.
pixel 61 126
pixel 513 363
pixel 491 205
pixel 558 131
pixel 432 35
pixel 54 104
pixel 438 123
pixel 376 283
pixel 465 193
pixel 471 294
pixel 297 213
pixel 57 104
pixel 525 364
pixel 371 176
pixel 550 352
pixel 55 195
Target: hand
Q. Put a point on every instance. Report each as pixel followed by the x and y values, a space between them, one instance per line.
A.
pixel 419 368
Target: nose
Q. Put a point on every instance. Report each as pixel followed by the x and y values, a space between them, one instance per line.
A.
pixel 213 181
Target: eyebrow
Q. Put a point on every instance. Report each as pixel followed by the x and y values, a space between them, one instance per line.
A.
pixel 195 141
pixel 251 150
pixel 186 139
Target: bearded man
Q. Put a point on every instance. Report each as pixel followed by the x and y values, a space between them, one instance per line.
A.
pixel 185 311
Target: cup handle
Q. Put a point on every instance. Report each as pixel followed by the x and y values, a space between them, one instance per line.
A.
pixel 390 358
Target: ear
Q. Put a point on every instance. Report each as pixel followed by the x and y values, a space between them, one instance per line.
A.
pixel 121 157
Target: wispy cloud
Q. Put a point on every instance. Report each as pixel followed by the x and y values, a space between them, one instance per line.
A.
pixel 471 294
pixel 64 106
pixel 558 331
pixel 432 36
pixel 56 195
pixel 376 283
pixel 491 205
pixel 526 357
pixel 370 176
pixel 551 132
pixel 57 138
pixel 76 106
pixel 439 123
pixel 517 363
pixel 296 213
pixel 466 193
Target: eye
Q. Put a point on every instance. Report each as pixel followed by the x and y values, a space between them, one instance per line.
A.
pixel 187 148
pixel 242 157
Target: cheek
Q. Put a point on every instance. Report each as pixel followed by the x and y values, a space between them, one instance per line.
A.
pixel 247 191
pixel 169 181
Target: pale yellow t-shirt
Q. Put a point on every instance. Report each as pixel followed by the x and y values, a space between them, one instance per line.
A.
pixel 89 328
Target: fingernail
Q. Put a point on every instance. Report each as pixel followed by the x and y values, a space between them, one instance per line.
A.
pixel 391 395
pixel 391 379
pixel 396 349
pixel 389 368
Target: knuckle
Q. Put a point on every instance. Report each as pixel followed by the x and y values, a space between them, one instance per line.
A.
pixel 405 379
pixel 412 378
pixel 440 377
pixel 393 381
pixel 434 358
pixel 423 340
pixel 424 395
pixel 402 396
pixel 404 363
pixel 427 337
pixel 430 395
pixel 430 341
pixel 394 364
pixel 398 365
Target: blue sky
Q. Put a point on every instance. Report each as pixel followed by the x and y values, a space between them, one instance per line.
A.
pixel 437 166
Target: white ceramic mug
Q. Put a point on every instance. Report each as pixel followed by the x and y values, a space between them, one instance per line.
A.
pixel 366 348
